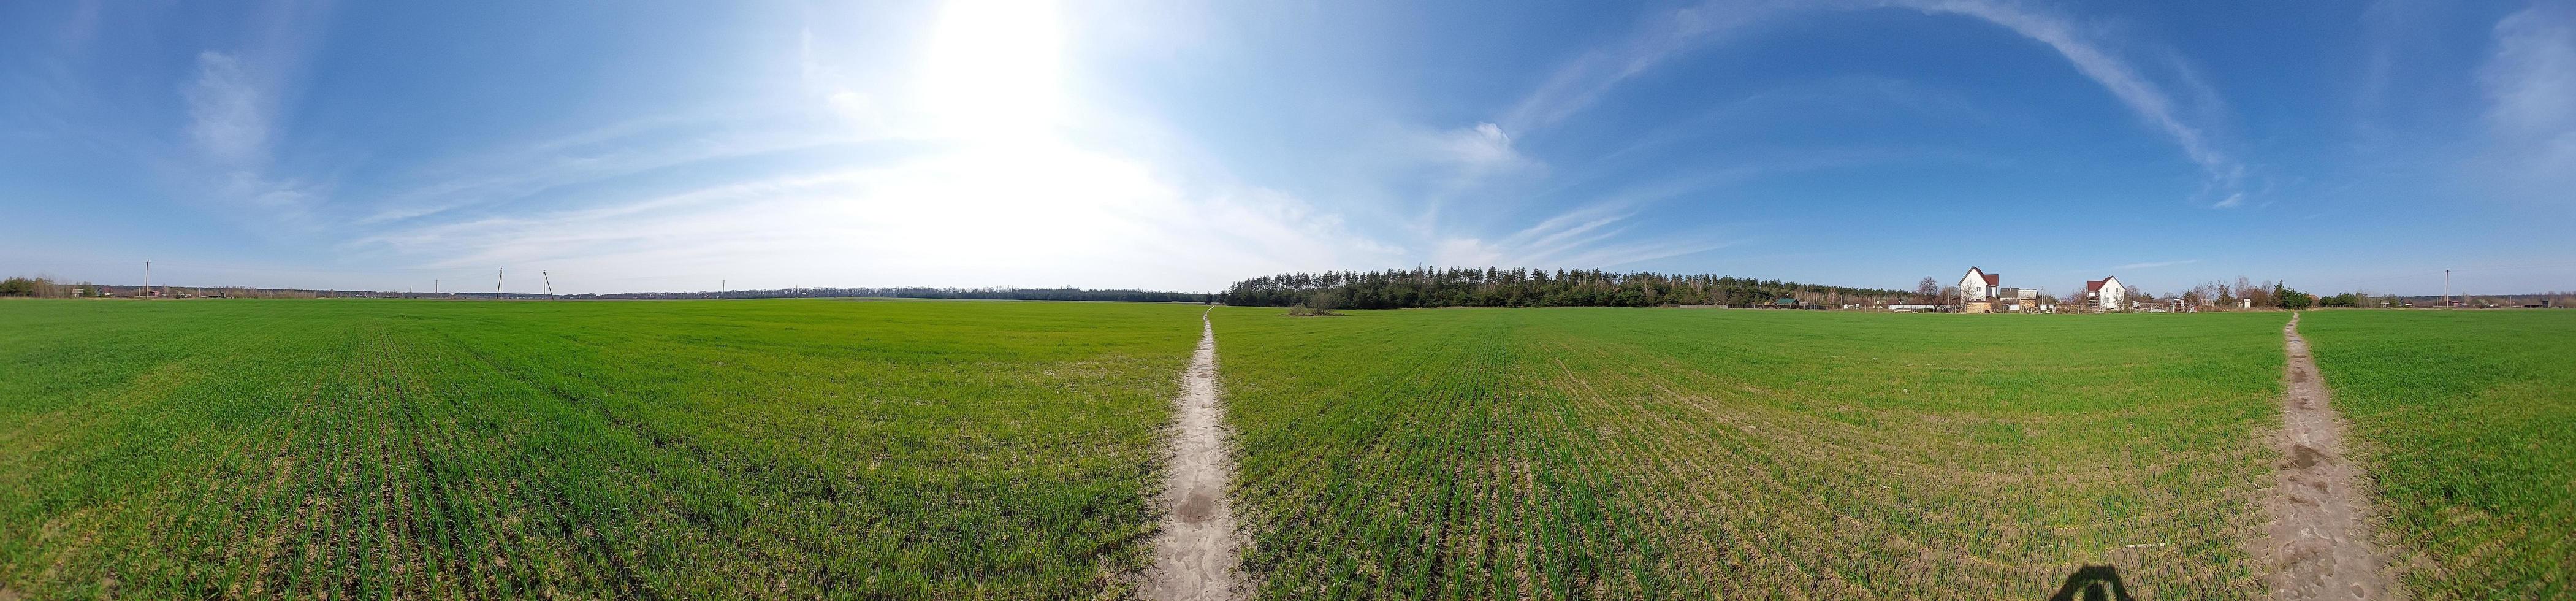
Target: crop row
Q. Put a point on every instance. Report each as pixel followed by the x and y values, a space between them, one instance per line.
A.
pixel 2466 422
pixel 1697 454
pixel 341 449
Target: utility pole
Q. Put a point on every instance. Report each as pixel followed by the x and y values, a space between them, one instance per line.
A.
pixel 497 275
pixel 545 283
pixel 147 279
pixel 433 286
pixel 2446 285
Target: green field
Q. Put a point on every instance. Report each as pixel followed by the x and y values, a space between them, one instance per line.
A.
pixel 372 449
pixel 1623 453
pixel 966 449
pixel 2468 425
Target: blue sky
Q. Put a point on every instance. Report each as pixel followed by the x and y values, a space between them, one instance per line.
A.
pixel 1183 145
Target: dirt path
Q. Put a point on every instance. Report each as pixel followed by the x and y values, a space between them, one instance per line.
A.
pixel 1197 553
pixel 2319 546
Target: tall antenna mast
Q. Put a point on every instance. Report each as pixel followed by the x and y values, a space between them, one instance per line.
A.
pixel 497 275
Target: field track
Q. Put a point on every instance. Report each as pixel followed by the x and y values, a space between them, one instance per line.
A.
pixel 1197 552
pixel 2319 543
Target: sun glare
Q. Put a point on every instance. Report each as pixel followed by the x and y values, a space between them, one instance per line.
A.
pixel 992 68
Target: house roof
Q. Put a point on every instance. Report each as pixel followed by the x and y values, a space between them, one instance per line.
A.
pixel 1994 279
pixel 2096 285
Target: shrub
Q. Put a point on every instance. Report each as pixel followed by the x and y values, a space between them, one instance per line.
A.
pixel 1301 310
pixel 1321 303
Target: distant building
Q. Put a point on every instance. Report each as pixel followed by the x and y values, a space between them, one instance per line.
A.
pixel 2107 294
pixel 1979 285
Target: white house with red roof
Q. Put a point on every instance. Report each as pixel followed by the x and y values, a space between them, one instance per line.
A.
pixel 1979 285
pixel 2107 293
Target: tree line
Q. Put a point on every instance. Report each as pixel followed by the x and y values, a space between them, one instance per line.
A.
pixel 45 287
pixel 1526 287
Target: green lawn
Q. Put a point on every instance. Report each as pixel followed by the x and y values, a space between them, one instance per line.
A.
pixel 1621 453
pixel 176 449
pixel 2468 425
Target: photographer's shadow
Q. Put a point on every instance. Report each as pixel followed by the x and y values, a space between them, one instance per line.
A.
pixel 2093 583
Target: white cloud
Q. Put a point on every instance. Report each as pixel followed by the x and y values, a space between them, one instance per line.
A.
pixel 1036 215
pixel 509 173
pixel 1468 251
pixel 232 104
pixel 1469 160
pixel 227 110
pixel 1480 149
pixel 1585 80
pixel 1593 236
pixel 1580 83
pixel 83 26
pixel 2531 79
pixel 990 188
pixel 2530 86
pixel 2141 94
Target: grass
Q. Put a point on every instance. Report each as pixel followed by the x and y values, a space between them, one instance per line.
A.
pixel 1620 453
pixel 889 449
pixel 2467 422
pixel 355 448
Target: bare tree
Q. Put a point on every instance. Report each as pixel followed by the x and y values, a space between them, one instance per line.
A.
pixel 1929 289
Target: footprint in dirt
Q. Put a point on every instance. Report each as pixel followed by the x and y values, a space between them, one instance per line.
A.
pixel 2304 457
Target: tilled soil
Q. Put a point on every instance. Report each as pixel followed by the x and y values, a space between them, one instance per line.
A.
pixel 2319 543
pixel 1197 553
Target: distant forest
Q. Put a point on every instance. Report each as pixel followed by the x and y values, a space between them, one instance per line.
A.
pixel 1523 287
pixel 1055 294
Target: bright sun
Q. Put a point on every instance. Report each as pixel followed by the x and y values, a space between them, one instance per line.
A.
pixel 992 68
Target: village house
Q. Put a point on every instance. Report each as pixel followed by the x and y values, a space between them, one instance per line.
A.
pixel 1979 285
pixel 2107 294
pixel 1981 292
